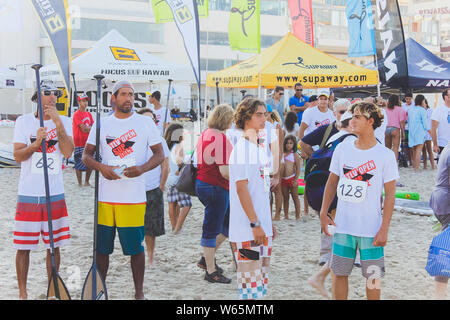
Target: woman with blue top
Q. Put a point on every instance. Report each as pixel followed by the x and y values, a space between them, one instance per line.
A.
pixel 418 127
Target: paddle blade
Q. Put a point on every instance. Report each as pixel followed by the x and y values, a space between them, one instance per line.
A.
pixel 94 287
pixel 57 290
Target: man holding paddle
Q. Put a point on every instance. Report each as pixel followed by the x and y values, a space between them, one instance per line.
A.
pixel 31 213
pixel 125 137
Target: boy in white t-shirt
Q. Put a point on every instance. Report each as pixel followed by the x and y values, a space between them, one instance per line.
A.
pixel 125 137
pixel 251 230
pixel 440 123
pixel 358 172
pixel 316 116
pixel 162 113
pixel 31 203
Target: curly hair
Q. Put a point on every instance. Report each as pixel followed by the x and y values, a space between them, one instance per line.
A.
pixel 369 110
pixel 245 109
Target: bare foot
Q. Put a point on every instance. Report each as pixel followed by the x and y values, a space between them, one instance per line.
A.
pixel 87 184
pixel 319 286
pixel 276 218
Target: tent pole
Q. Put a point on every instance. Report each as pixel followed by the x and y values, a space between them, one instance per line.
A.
pixel 167 105
pixel 217 92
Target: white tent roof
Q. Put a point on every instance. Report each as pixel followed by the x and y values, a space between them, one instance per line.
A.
pixel 10 79
pixel 117 59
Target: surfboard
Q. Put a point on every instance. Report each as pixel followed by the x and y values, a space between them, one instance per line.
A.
pixel 413 206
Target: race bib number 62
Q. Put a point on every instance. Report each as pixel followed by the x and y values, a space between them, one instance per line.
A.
pixel 352 190
pixel 53 164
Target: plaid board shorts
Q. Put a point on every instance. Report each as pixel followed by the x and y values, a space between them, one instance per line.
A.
pixel 344 254
pixel 31 222
pixel 183 199
pixel 77 155
pixel 253 266
pixel 128 220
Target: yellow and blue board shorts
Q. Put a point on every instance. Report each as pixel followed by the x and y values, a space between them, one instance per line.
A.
pixel 128 219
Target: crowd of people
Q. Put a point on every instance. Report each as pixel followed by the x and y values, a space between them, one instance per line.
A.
pixel 247 160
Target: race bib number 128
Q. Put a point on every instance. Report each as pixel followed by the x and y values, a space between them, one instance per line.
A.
pixel 352 190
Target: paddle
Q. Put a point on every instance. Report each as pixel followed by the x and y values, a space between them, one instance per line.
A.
pixel 94 287
pixel 56 287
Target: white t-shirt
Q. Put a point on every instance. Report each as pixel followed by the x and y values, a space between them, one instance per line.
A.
pixel 233 134
pixel 380 131
pixel 293 132
pixel 247 162
pixel 315 118
pixel 153 177
pixel 161 117
pixel 172 179
pixel 442 115
pixel 373 168
pixel 406 108
pixel 124 142
pixel 31 181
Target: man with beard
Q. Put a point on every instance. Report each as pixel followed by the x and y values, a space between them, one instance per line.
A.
pixel 125 137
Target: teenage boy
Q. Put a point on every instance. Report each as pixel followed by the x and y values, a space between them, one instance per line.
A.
pixel 358 172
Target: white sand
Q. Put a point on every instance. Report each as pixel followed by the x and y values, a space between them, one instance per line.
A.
pixel 294 259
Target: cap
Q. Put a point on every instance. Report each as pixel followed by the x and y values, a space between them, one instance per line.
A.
pixel 346 115
pixel 324 93
pixel 122 84
pixel 48 85
pixel 83 96
pixel 269 108
pixel 313 98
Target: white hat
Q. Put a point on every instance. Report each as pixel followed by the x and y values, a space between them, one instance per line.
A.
pixel 122 84
pixel 346 115
pixel 324 92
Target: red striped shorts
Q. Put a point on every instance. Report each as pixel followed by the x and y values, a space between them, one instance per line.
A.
pixel 31 222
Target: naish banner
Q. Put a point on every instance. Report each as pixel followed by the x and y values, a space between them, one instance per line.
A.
pixel 244 26
pixel 390 44
pixel 163 13
pixel 186 18
pixel 54 17
pixel 360 28
pixel 302 20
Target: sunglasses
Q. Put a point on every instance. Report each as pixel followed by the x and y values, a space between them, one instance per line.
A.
pixel 56 93
pixel 342 111
pixel 298 89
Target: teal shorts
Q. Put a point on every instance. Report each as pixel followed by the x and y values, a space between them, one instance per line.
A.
pixel 344 253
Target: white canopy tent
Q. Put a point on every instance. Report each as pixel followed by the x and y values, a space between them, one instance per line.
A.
pixel 117 59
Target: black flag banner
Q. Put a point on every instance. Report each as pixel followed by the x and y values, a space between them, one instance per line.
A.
pixel 390 44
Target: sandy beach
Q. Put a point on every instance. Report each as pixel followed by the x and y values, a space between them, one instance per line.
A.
pixel 176 276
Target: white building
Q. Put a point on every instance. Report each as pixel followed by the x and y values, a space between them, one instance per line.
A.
pixel 23 42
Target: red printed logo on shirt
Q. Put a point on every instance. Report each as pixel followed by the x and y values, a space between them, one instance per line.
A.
pixel 122 146
pixel 362 172
pixel 50 141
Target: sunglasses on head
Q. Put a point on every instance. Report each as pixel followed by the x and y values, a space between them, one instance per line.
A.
pixel 56 93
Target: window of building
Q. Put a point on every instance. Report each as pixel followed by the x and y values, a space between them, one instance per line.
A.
pixel 138 32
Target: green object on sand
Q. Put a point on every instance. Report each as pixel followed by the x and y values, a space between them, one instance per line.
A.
pixel 407 195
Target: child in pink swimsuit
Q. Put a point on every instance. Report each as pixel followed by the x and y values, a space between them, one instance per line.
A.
pixel 290 173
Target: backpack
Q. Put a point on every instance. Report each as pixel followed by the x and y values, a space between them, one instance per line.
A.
pixel 317 171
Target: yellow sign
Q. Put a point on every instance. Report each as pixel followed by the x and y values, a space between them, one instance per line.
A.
pixel 124 54
pixel 183 13
pixel 289 61
pixel 62 103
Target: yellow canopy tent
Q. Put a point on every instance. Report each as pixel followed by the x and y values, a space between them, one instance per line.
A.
pixel 289 61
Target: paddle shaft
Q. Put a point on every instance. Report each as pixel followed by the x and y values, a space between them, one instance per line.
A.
pixel 36 68
pixel 97 178
pixel 167 105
